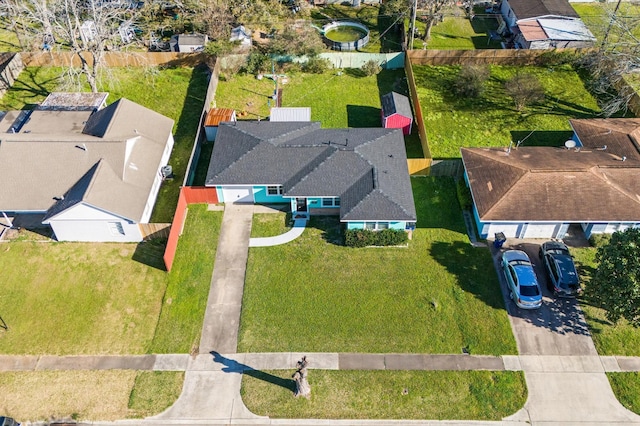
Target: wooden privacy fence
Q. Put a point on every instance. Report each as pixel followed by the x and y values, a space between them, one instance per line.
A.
pixel 114 59
pixel 486 56
pixel 188 195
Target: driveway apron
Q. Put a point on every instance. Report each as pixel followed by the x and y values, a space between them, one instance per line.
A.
pixel 567 382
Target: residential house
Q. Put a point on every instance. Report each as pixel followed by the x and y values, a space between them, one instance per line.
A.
pixel 90 174
pixel 538 192
pixel 359 174
pixel 544 24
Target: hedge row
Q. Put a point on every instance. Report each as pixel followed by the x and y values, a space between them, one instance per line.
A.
pixel 366 237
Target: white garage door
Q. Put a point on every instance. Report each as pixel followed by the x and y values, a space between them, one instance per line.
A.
pixel 546 230
pixel 510 230
pixel 238 194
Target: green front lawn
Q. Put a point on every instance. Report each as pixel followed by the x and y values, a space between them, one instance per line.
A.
pixel 438 295
pixel 473 395
pixel 79 298
pixel 349 99
pixel 180 323
pixel 619 339
pixel 177 93
pixel 626 387
pixel 454 121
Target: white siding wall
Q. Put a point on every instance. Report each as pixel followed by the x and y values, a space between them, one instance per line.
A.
pixel 86 223
pixel 153 194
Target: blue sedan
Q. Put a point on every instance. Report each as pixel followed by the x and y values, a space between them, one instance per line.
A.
pixel 521 278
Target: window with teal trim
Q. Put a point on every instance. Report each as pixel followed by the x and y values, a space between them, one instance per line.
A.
pixel 274 190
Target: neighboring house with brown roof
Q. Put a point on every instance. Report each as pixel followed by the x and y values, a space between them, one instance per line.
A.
pixel 538 192
pixel 92 175
pixel 544 24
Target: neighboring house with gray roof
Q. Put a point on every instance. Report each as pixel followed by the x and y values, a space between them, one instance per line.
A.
pixel 359 174
pixel 92 175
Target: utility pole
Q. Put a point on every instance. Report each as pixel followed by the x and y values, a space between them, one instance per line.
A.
pixel 611 21
pixel 412 26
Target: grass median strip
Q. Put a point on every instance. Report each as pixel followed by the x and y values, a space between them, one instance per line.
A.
pixel 343 394
pixel 626 387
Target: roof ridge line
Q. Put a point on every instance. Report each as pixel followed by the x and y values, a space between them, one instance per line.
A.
pixel 611 183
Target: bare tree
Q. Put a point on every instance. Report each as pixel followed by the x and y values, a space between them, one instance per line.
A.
pixel 432 11
pixel 524 89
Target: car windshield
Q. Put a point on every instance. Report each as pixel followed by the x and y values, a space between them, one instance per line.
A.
pixel 529 290
pixel 519 262
pixel 558 251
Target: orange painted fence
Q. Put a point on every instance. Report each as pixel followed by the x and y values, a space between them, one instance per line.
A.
pixel 188 195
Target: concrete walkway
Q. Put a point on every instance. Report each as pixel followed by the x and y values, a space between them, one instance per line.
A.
pixel 222 315
pixel 292 234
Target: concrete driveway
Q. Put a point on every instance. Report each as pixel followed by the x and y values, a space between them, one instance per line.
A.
pixel 558 327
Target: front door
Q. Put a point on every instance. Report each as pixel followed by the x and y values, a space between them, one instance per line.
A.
pixel 301 205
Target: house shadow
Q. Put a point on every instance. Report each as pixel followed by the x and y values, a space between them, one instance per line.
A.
pixel 330 227
pixel 363 116
pixel 555 138
pixel 468 264
pixel 232 366
pixel 151 253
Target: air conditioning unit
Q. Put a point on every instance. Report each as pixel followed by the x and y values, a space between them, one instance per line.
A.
pixel 166 171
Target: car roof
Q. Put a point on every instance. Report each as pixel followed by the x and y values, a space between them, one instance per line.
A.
pixel 555 245
pixel 567 268
pixel 526 275
pixel 511 255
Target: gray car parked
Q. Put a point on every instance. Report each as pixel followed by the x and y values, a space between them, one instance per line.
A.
pixel 562 277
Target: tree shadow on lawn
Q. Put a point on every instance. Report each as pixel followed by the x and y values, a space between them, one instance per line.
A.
pixel 232 366
pixel 467 264
pixel 29 86
pixel 363 116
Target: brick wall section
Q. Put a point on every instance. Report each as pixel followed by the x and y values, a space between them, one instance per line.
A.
pixel 188 195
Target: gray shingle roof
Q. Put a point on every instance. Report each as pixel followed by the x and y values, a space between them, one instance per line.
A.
pixel 366 167
pixel 395 103
pixel 58 157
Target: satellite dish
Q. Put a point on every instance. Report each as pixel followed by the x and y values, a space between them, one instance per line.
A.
pixel 570 144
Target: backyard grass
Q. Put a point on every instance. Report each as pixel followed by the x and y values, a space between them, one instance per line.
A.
pixel 177 93
pixel 381 38
pixel 597 17
pixel 87 395
pixel 457 32
pixel 481 395
pixel 439 295
pixel 626 387
pixel 455 121
pixel 79 298
pixel 337 101
pixel 185 300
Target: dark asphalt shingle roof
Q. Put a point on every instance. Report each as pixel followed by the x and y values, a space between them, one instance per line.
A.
pixel 524 9
pixel 395 103
pixel 365 167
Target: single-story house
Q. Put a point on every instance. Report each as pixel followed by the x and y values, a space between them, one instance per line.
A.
pixel 214 117
pixel 90 174
pixel 359 174
pixel 396 112
pixel 538 192
pixel 290 114
pixel 544 24
pixel 516 10
pixel 552 32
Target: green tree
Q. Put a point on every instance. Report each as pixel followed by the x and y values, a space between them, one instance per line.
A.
pixel 616 283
